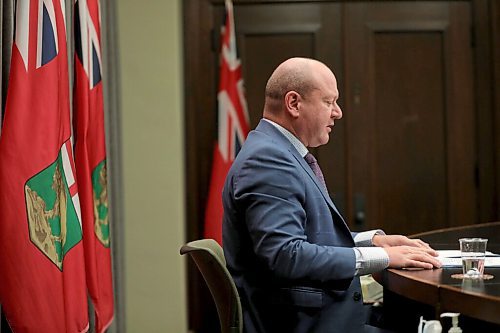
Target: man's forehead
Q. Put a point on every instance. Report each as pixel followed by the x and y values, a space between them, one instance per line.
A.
pixel 328 86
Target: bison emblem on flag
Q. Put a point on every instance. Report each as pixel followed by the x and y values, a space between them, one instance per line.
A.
pixel 53 209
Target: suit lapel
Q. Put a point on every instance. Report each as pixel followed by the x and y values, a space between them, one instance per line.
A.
pixel 315 179
pixel 279 138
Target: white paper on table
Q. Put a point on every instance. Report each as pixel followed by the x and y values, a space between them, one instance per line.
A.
pixel 452 258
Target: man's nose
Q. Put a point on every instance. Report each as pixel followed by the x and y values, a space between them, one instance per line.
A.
pixel 337 112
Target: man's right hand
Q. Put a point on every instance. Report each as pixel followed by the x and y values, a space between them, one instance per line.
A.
pixel 411 257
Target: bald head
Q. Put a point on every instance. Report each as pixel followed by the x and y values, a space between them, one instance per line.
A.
pixel 301 96
pixel 294 74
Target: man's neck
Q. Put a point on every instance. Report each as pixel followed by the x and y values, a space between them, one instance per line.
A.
pixel 301 148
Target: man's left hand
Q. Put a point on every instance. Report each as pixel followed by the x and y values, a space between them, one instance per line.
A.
pixel 400 240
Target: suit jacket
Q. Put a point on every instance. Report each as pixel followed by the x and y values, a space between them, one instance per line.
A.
pixel 286 245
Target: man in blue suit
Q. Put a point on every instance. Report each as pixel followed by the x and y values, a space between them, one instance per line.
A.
pixel 293 258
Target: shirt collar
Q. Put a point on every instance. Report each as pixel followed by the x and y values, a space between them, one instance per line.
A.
pixel 301 148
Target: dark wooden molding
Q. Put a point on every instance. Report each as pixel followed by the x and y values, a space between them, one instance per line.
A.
pixel 494 10
pixel 485 125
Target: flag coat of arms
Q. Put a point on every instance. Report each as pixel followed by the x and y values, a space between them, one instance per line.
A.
pixel 42 280
pixel 233 125
pixel 90 159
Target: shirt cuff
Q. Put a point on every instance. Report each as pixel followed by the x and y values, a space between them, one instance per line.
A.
pixel 363 239
pixel 370 260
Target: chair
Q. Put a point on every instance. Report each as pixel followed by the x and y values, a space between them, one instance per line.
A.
pixel 209 257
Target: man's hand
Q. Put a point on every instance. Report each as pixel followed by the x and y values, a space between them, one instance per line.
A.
pixel 399 240
pixel 407 253
pixel 411 257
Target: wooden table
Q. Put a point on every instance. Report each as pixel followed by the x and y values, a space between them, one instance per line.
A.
pixel 408 294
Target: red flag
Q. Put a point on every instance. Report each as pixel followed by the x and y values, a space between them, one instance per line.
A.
pixel 42 279
pixel 233 125
pixel 90 158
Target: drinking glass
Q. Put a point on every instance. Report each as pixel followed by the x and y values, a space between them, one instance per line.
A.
pixel 473 251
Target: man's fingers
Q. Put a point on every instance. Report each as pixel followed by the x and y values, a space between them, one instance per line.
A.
pixel 426 259
pixel 419 243
pixel 432 252
pixel 423 245
pixel 418 264
pixel 412 257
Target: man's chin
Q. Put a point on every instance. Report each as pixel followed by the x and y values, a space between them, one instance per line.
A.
pixel 323 142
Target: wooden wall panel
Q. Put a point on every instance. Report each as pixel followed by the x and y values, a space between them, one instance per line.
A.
pixel 410 126
pixel 410 64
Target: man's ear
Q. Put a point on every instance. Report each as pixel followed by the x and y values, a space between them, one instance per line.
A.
pixel 292 99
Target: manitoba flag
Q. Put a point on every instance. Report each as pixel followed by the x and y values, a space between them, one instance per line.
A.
pixel 90 158
pixel 42 273
pixel 233 125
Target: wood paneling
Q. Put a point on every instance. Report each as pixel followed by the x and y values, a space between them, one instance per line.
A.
pixel 495 37
pixel 483 79
pixel 409 163
pixel 200 75
pixel 416 148
pixel 408 79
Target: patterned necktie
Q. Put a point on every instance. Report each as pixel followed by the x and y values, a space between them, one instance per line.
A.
pixel 313 163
